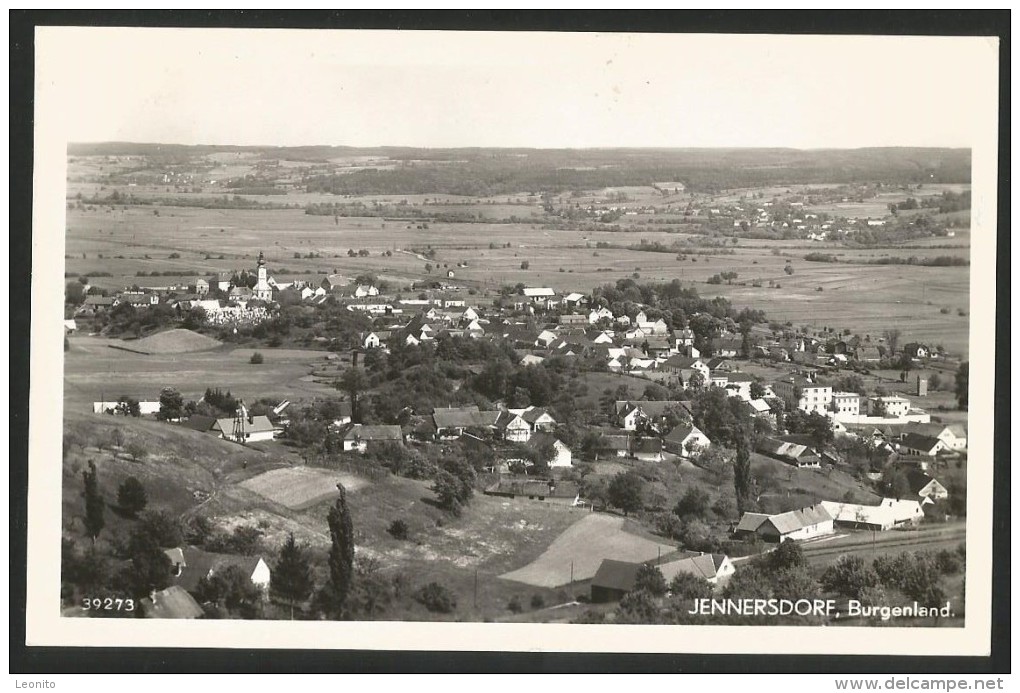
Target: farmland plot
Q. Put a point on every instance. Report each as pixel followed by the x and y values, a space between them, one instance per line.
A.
pixel 299 488
pixel 584 544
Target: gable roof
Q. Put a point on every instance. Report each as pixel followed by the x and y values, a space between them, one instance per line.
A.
pixel 616 575
pixel 374 433
pixel 199 422
pixel 541 438
pixel 702 565
pixel 647 445
pixel 198 564
pixel 534 414
pixel 794 520
pixel 918 480
pixel 916 441
pixel 173 602
pixel 256 424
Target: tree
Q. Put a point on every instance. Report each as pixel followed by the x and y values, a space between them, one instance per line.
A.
pixel 74 294
pixel 892 339
pixel 231 589
pixel 136 450
pixel 95 506
pixel 757 390
pixel 436 598
pixel 650 579
pixel 163 527
pixel 686 586
pixel 963 384
pixel 786 556
pixel 895 484
pixel 128 406
pixel 447 488
pixel 626 492
pixel 171 405
pixel 851 577
pixel 696 381
pixel 525 265
pixel 353 382
pixel 131 496
pixel 150 566
pixel 256 358
pixel 292 575
pixel 742 475
pixel 788 269
pixel 341 554
pixel 693 504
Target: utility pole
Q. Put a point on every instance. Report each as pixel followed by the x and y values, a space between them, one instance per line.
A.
pixel 476 589
pixel 571 572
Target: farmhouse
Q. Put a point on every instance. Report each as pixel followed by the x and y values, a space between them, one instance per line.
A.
pixel 954 436
pixel 714 568
pixel 549 490
pixel 925 487
pixel 189 565
pixel 647 449
pixel 173 602
pixel 245 428
pixel 685 439
pixel 796 525
pixel 453 422
pixel 145 407
pixel 894 407
pixel 358 437
pixel 886 515
pixel 799 455
pixel 917 445
pixel 614 445
pixel 561 453
pixel 613 580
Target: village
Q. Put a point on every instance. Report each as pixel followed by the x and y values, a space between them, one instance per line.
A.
pixel 715 386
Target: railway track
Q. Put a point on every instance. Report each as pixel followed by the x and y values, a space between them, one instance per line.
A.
pixel 907 542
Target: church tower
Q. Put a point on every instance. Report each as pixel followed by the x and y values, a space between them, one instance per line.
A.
pixel 262 291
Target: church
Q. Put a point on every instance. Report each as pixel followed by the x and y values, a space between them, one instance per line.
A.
pixel 263 290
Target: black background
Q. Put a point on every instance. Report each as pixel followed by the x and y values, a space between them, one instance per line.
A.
pixel 180 660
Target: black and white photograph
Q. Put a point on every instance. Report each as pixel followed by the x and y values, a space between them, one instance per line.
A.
pixel 505 340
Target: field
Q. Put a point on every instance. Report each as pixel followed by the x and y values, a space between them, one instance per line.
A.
pixel 170 342
pixel 578 552
pixel 92 371
pixel 864 298
pixel 299 488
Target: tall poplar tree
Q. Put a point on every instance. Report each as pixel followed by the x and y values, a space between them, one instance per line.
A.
pixel 742 474
pixel 341 555
pixel 94 504
pixel 292 575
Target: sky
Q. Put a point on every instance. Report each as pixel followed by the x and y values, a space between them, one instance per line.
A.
pixel 555 90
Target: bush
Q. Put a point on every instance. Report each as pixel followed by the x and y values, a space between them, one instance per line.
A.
pixel 398 529
pixel 131 496
pixel 436 598
pixel 136 450
pixel 537 601
pixel 514 605
pixel 256 358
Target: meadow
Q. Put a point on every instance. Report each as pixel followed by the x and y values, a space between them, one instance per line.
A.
pixel 849 294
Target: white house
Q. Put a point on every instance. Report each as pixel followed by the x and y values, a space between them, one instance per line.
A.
pixel 685 439
pixel 714 568
pixel 561 456
pixel 358 437
pixel 365 290
pixel 884 516
pixel 800 393
pixel 796 525
pixel 245 428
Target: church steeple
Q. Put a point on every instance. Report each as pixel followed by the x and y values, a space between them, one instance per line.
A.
pixel 262 259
